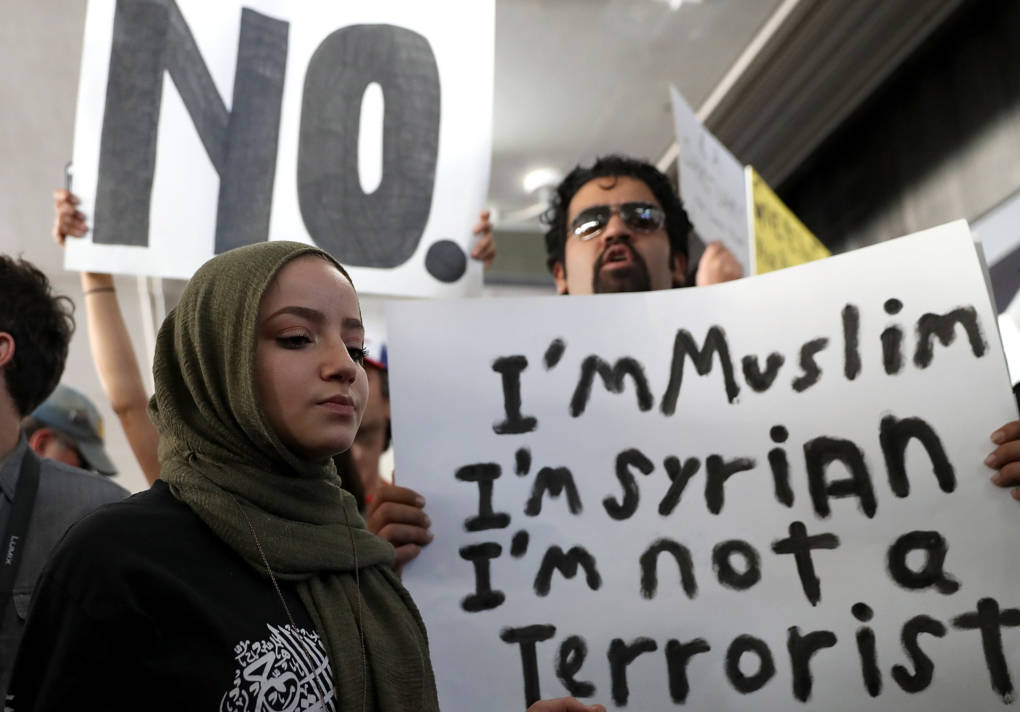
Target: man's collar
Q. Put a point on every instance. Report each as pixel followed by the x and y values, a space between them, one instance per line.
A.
pixel 10 468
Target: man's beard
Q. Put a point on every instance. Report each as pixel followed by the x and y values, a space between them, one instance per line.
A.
pixel 635 278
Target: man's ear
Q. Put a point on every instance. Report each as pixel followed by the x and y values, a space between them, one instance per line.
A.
pixel 679 264
pixel 560 277
pixel 40 440
pixel 6 348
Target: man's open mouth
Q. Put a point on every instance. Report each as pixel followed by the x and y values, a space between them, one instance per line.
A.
pixel 616 254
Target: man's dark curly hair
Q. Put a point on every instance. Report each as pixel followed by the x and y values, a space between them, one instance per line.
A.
pixel 678 226
pixel 41 324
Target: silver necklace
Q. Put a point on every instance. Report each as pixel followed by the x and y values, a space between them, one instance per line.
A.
pixel 286 608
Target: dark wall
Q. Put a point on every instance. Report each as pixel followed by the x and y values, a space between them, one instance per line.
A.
pixel 938 141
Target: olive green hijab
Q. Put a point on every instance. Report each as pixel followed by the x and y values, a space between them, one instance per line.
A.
pixel 219 455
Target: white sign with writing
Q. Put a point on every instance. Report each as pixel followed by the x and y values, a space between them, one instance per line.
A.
pixel 765 494
pixel 712 184
pixel 364 128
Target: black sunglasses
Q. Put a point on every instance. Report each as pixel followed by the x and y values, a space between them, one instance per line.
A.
pixel 640 217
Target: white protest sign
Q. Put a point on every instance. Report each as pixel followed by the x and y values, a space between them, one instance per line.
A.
pixel 712 184
pixel 364 128
pixel 765 494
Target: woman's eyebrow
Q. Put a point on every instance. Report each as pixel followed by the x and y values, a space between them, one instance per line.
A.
pixel 303 312
pixel 316 316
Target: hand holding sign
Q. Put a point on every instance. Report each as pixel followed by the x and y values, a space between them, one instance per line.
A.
pixel 1005 459
pixel 397 514
pixel 717 265
pixel 67 220
pixel 484 249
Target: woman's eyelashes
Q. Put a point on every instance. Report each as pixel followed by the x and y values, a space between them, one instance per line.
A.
pixel 294 341
pixel 358 354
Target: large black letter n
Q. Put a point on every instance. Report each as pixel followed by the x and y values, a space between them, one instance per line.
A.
pixel 150 36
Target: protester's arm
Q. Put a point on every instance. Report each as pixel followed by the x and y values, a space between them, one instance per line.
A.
pixel 397 514
pixel 111 346
pixel 484 249
pixel 717 265
pixel 1005 459
pixel 118 369
pixel 564 704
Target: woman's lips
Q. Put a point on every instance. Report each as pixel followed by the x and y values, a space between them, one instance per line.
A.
pixel 341 405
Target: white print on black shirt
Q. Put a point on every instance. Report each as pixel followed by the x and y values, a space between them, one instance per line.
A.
pixel 287 672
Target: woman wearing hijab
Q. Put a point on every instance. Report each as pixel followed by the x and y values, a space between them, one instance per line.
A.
pixel 244 578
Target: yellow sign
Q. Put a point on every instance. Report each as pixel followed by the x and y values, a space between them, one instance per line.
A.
pixel 780 238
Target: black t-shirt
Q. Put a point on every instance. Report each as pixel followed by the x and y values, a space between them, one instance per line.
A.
pixel 143 607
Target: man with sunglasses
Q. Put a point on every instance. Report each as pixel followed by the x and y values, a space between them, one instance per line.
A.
pixel 619 226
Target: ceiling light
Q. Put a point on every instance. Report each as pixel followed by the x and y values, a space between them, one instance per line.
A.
pixel 541 178
pixel 675 4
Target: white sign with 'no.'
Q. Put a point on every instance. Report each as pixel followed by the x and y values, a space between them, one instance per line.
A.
pixel 364 128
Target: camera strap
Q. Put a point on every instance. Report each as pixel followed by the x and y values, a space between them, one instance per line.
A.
pixel 17 527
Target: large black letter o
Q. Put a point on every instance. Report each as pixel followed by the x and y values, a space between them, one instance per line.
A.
pixel 383 228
